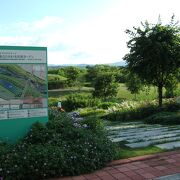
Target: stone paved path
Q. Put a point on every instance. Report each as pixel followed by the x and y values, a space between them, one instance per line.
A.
pixel 137 168
pixel 137 134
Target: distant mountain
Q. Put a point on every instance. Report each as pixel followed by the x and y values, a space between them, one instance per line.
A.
pixel 121 63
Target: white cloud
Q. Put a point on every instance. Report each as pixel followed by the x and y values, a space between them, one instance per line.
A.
pixel 98 40
pixel 48 23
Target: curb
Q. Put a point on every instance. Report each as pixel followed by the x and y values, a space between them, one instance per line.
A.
pixel 140 158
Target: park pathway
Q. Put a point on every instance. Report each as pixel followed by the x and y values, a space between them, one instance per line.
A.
pixel 138 134
pixel 138 168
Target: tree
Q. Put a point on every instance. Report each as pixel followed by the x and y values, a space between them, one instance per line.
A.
pixel 133 84
pixel 56 81
pixel 105 85
pixel 94 71
pixel 154 53
pixel 170 86
pixel 71 73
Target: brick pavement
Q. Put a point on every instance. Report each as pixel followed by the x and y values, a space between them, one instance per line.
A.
pixel 137 168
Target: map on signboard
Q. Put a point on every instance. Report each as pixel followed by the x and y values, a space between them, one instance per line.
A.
pixel 23 85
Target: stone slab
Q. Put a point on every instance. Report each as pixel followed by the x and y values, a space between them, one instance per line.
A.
pixel 170 145
pixel 156 141
pixel 169 177
pixel 154 137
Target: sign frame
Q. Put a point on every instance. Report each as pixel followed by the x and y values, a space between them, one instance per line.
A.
pixel 13 129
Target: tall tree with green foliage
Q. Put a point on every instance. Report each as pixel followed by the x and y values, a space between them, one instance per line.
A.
pixel 105 85
pixel 154 53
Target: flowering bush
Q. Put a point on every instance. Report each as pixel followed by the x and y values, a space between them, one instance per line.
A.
pixel 56 149
pixel 133 110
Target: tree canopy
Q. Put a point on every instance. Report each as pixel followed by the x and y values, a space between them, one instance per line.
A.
pixel 105 85
pixel 154 53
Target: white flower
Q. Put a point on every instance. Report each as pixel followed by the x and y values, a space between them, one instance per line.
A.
pixel 85 125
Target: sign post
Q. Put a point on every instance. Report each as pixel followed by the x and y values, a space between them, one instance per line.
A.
pixel 23 90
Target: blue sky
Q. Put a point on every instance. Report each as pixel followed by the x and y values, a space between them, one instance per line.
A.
pixel 79 31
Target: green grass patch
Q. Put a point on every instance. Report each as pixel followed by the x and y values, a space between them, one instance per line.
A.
pixel 148 93
pixel 62 93
pixel 125 152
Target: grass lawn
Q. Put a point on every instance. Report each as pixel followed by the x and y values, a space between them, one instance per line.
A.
pixel 125 152
pixel 147 94
pixel 62 93
pixel 123 93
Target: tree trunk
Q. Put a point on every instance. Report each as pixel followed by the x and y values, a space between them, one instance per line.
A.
pixel 160 95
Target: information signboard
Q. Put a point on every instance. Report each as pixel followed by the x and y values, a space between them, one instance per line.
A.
pixel 23 89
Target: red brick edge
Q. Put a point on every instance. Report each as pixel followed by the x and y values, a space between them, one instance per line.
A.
pixel 141 158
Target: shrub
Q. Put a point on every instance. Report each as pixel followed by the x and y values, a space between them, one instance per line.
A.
pixel 53 101
pixel 130 110
pixel 91 111
pixel 57 149
pixel 106 105
pixel 56 81
pixel 164 118
pixel 75 101
pixel 95 124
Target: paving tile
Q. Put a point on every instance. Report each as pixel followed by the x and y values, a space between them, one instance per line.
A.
pixel 123 169
pixel 108 177
pixel 149 169
pixel 101 173
pixel 79 178
pixel 113 171
pixel 132 167
pixel 157 163
pixel 160 167
pixel 137 177
pixel 177 163
pixel 90 176
pixel 130 173
pixel 142 165
pixel 148 175
pixel 120 176
pixel 157 173
pixel 139 171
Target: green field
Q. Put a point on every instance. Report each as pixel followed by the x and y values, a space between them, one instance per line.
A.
pixel 123 93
